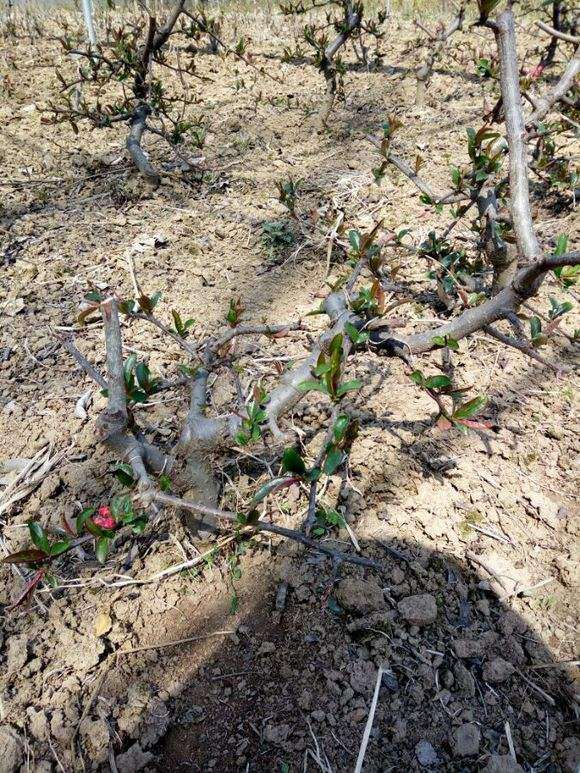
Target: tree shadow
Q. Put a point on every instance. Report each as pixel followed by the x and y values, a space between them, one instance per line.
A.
pixel 300 666
pixel 460 666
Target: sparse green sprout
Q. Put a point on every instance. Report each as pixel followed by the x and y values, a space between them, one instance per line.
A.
pixel 356 336
pixel 447 342
pixel 430 202
pixel 327 519
pixel 139 384
pixel 430 383
pixel 165 482
pixel 187 370
pixel 484 68
pixel 461 414
pixel 536 334
pixel 251 430
pixel 452 263
pixel 234 312
pixel 566 275
pixel 276 237
pixel 457 178
pixel 474 299
pixel 558 309
pixel 485 152
pixel 400 235
pixel 370 301
pixel 288 193
pixel 328 372
pixel 241 46
pixel 181 326
pixel 124 474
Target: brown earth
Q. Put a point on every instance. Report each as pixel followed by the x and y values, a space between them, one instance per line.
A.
pixel 469 662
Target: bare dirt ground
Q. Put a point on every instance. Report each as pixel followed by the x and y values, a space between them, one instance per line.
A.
pixel 284 680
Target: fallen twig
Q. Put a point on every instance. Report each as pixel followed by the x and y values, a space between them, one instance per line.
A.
pixel 369 724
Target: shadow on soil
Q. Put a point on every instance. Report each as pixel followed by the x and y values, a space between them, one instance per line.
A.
pixel 300 670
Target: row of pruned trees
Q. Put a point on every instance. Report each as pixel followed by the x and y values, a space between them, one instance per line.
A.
pixel 481 290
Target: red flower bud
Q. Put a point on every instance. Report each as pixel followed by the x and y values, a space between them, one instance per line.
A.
pixel 104 519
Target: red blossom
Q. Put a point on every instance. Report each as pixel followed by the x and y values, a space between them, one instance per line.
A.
pixel 104 519
pixel 534 72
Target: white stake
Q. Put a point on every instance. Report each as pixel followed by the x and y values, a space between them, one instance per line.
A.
pixel 88 14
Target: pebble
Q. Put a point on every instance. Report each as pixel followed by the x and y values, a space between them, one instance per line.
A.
pixel 466 740
pixel 426 754
pixel 464 680
pixel 498 670
pixel 12 749
pixel 133 760
pixel 419 610
pixel 468 648
pixel 267 648
pixel 277 734
pixel 360 596
pixel 502 763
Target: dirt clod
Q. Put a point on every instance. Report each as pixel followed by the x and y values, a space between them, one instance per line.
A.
pixel 360 597
pixel 466 740
pixel 133 760
pixel 426 754
pixel 503 763
pixel 12 750
pixel 419 610
pixel 498 670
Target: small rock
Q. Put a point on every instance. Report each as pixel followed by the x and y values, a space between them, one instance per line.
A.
pixel 281 595
pixel 400 731
pixel 276 734
pixel 103 624
pixel 419 610
pixel 554 432
pixel 96 735
pixel 37 723
pixel 12 750
pixel 468 648
pixel 464 681
pixel 357 715
pixel 133 760
pixel 363 677
pixel 17 653
pixel 360 596
pixel 267 648
pixel 302 593
pixel 546 507
pixel 426 754
pixel 502 763
pixel 569 755
pixel 498 670
pixel 466 740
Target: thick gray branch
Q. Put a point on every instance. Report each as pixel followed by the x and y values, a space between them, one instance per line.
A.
pixel 497 250
pixel 114 357
pixel 134 138
pixel 164 32
pixel 508 300
pixel 217 515
pixel 112 422
pixel 504 29
pixel 558 33
pixel 542 105
pixel 352 21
